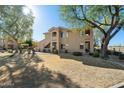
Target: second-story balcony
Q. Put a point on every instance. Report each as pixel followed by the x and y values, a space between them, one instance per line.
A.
pixel 54 36
pixel 87 34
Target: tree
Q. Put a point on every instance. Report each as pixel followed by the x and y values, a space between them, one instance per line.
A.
pixel 15 24
pixel 108 19
pixel 98 38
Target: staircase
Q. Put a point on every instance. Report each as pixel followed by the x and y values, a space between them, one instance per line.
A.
pixel 44 43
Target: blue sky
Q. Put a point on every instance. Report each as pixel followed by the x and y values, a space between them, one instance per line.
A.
pixel 47 16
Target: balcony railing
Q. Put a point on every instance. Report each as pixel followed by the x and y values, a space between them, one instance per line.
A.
pixel 54 38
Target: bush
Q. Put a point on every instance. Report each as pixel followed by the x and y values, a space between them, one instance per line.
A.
pixel 44 50
pixel 10 51
pixel 91 54
pixel 109 52
pixel 87 50
pixel 55 51
pixel 66 51
pixel 121 56
pixel 96 54
pixel 117 53
pixel 77 53
pixel 98 50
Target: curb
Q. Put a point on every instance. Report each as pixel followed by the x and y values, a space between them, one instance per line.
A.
pixel 119 85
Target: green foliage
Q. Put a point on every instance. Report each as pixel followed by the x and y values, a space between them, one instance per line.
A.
pixel 14 23
pixel 116 53
pixel 91 54
pixel 66 51
pixel 107 19
pixel 96 54
pixel 77 53
pixel 121 56
pixel 29 42
pixel 55 51
pixel 77 15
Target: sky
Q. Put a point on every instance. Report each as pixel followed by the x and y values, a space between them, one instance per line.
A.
pixel 47 16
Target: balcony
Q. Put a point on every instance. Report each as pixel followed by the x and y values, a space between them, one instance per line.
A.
pixel 87 35
pixel 54 36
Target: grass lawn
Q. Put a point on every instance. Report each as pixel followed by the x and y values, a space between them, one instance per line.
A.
pixel 49 70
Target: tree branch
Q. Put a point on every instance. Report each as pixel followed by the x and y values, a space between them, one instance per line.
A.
pixel 88 21
pixel 13 23
pixel 74 11
pixel 94 24
pixel 102 23
pixel 117 30
pixel 110 10
pixel 115 20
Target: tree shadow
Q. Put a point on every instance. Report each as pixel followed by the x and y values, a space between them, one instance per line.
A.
pixel 43 78
pixel 17 72
pixel 19 59
pixel 36 58
pixel 91 61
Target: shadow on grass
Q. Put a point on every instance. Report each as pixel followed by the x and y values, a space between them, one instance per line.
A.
pixel 91 61
pixel 16 72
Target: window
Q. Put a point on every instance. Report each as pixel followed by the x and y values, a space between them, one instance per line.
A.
pixel 81 46
pixel 62 34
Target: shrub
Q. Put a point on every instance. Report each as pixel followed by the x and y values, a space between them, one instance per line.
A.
pixel 49 50
pixel 96 54
pixel 66 51
pixel 44 50
pixel 117 53
pixel 109 52
pixel 91 54
pixel 10 51
pixel 77 53
pixel 98 50
pixel 121 56
pixel 87 50
pixel 55 51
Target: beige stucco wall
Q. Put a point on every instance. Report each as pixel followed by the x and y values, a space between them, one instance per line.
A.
pixel 72 42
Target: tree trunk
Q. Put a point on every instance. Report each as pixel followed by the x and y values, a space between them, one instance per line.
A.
pixel 104 47
pixel 17 48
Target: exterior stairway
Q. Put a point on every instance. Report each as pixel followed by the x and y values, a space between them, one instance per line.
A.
pixel 44 43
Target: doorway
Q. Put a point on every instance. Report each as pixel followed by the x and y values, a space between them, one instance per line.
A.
pixel 87 46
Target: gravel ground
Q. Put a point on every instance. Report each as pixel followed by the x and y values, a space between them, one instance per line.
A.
pixel 59 71
pixel 93 73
